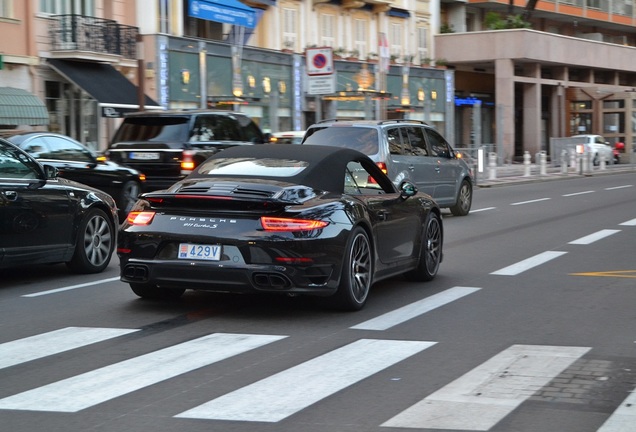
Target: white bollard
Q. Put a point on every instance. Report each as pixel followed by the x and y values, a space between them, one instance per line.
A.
pixel 564 161
pixel 492 165
pixel 543 162
pixel 526 163
pixel 603 162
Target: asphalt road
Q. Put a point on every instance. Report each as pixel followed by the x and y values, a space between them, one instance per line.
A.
pixel 529 326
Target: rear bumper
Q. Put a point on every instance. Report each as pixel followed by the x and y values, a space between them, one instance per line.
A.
pixel 215 277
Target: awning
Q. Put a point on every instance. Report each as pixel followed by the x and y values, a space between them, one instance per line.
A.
pixel 114 93
pixel 223 11
pixel 20 108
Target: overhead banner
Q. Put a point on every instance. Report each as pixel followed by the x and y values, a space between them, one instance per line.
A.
pixel 223 11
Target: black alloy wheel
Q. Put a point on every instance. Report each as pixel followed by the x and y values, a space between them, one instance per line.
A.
pixel 430 251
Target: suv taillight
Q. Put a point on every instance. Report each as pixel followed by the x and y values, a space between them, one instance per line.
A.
pixel 382 166
pixel 187 162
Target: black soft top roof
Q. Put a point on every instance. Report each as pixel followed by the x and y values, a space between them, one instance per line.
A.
pixel 326 165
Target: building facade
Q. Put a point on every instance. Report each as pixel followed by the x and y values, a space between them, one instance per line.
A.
pixel 569 71
pixel 78 57
pixel 258 66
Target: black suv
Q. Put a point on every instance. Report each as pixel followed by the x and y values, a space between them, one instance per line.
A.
pixel 167 145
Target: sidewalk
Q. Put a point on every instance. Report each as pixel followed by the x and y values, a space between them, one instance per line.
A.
pixel 515 174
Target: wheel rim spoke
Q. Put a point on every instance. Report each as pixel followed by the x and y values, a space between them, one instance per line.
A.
pixel 97 241
pixel 360 268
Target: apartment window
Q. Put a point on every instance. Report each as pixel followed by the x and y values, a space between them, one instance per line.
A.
pixel 327 27
pixel 422 43
pixel 6 9
pixel 290 31
pixel 395 39
pixel 361 37
pixel 593 4
pixel 62 7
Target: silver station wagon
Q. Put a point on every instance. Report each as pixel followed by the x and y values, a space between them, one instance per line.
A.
pixel 405 150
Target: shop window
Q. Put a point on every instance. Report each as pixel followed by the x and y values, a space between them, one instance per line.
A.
pixel 613 104
pixel 613 123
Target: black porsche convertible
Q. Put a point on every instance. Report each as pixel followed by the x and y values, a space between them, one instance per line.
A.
pixel 309 220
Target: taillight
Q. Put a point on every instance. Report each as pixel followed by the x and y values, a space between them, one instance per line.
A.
pixel 290 224
pixel 187 162
pixel 140 218
pixel 382 166
pixel 294 260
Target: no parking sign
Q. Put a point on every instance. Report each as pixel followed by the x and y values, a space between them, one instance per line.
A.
pixel 319 61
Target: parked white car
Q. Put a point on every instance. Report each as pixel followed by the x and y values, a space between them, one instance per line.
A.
pixel 597 147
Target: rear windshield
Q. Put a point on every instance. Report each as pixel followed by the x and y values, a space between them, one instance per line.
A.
pixel 362 139
pixel 250 167
pixel 160 129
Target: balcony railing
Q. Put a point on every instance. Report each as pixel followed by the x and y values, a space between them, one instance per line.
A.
pixel 91 34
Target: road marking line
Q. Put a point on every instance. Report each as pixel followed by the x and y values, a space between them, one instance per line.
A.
pixel 594 237
pixel 578 193
pixel 405 313
pixel 624 418
pixel 616 273
pixel 72 287
pixel 483 209
pixel 619 187
pixel 279 396
pixel 54 342
pixel 527 264
pixel 629 223
pixel 482 397
pixel 530 202
pixel 97 386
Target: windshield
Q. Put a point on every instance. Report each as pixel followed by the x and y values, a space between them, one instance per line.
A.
pixel 161 129
pixel 363 139
pixel 251 167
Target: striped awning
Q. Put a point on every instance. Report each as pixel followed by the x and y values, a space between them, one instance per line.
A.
pixel 20 108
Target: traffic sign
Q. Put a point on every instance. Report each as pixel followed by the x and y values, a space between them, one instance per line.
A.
pixel 319 61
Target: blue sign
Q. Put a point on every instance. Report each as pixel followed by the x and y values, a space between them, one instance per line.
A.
pixel 223 11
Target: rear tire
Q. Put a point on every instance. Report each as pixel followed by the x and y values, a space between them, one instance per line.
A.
pixel 95 243
pixel 357 273
pixel 154 292
pixel 464 200
pixel 430 251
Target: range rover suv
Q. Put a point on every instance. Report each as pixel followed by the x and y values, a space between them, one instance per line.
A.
pixel 405 149
pixel 167 145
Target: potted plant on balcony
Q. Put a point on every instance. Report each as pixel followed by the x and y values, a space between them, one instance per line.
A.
pixel 339 53
pixel 372 57
pixel 354 55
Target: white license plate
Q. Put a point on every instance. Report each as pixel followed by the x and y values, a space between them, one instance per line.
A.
pixel 144 155
pixel 199 252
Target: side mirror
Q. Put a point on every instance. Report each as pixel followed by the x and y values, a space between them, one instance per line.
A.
pixel 407 190
pixel 50 172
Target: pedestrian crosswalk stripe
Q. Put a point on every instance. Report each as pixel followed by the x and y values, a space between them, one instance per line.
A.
pixel 54 342
pixel 405 313
pixel 528 263
pixel 91 388
pixel 482 397
pixel 624 418
pixel 279 396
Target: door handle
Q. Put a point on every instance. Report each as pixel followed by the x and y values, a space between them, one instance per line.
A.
pixel 382 215
pixel 11 195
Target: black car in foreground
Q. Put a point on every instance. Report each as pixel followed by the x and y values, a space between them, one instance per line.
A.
pixel 47 219
pixel 75 161
pixel 312 220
